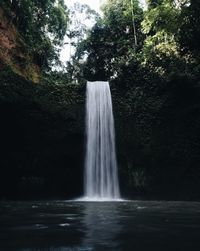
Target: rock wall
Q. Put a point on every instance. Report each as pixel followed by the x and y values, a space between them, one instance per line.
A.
pixel 13 50
pixel 42 136
pixel 158 139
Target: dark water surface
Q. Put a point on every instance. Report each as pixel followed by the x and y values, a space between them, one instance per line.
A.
pixel 87 226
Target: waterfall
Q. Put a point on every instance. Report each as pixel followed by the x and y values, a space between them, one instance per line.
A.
pixel 101 177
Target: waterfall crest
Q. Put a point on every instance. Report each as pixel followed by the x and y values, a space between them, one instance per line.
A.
pixel 101 177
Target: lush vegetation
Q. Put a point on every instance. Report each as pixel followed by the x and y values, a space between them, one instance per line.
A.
pixel 164 39
pixel 41 24
pixel 152 60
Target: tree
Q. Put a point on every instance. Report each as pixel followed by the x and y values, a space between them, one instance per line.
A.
pixel 111 42
pixel 189 35
pixel 42 24
pixel 160 25
pixel 79 15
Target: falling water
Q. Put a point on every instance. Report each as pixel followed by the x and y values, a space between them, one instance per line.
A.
pixel 101 178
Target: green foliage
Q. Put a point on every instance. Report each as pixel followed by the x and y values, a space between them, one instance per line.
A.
pixel 111 43
pixel 54 93
pixel 189 35
pixel 110 47
pixel 79 16
pixel 162 17
pixel 42 25
pixel 160 24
